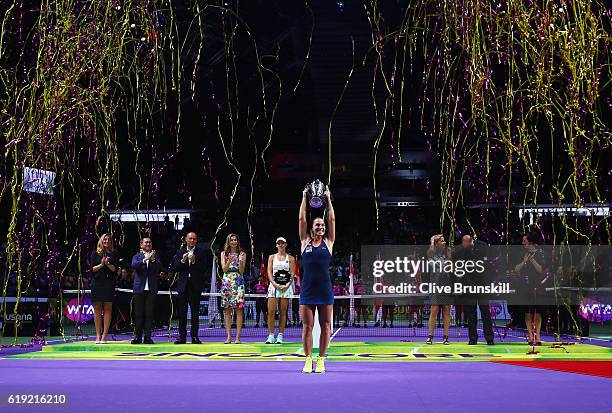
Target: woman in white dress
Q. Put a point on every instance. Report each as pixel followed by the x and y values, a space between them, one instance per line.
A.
pixel 281 270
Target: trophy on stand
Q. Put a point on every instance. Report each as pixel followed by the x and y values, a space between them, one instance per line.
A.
pixel 316 194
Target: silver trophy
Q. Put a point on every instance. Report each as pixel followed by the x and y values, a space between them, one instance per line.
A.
pixel 316 194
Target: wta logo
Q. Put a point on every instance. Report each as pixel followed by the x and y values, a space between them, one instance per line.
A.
pixel 595 311
pixel 79 311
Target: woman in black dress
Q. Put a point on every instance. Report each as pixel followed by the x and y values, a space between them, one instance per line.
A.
pixel 531 268
pixel 103 265
pixel 317 292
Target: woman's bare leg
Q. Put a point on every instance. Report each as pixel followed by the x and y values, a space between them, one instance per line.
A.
pixel 307 315
pixel 325 319
pixel 284 304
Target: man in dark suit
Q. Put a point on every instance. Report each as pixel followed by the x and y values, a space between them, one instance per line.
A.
pixel 193 267
pixel 147 269
pixel 467 251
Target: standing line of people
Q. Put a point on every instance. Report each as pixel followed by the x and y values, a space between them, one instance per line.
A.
pixel 192 267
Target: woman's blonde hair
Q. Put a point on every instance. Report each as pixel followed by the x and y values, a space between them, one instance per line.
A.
pixel 432 244
pixel 227 248
pixel 99 248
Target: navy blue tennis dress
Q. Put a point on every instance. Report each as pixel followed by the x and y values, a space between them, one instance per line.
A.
pixel 316 282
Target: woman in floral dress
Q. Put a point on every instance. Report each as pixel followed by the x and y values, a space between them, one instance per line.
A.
pixel 232 287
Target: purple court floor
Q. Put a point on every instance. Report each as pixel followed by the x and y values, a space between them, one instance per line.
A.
pixel 219 386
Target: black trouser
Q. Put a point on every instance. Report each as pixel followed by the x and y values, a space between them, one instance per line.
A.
pixel 472 320
pixel 162 311
pixel 144 307
pixel 388 311
pixel 261 306
pixel 191 296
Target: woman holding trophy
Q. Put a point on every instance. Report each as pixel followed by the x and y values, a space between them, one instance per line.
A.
pixel 316 291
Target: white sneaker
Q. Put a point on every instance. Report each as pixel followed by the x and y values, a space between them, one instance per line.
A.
pixel 98 341
pixel 279 339
pixel 320 367
pixel 270 339
pixel 307 365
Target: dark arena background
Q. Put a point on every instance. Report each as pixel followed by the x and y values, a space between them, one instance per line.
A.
pixel 486 123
